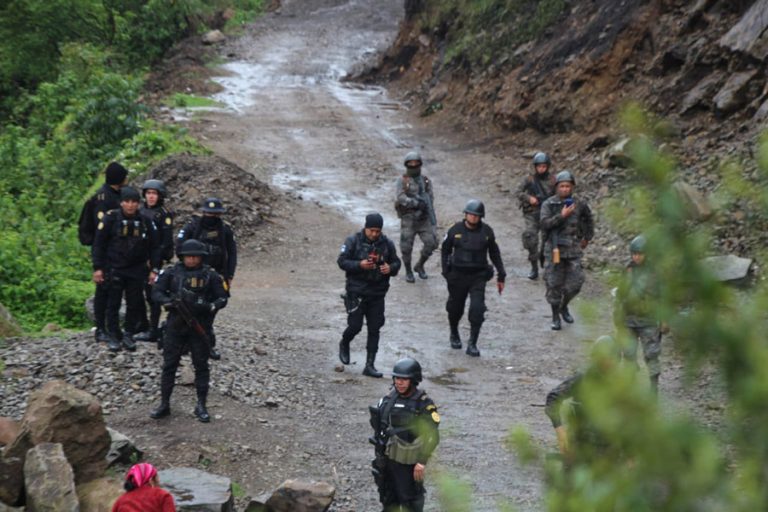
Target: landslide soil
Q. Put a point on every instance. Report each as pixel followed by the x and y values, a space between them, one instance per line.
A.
pixel 336 149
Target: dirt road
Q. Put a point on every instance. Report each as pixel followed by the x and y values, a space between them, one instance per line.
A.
pixel 293 123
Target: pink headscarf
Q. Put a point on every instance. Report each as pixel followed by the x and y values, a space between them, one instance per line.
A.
pixel 141 474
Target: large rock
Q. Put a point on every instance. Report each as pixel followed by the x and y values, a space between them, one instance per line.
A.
pixel 214 37
pixel 729 267
pixel 618 154
pixel 750 34
pixel 121 449
pixel 49 481
pixel 8 325
pixel 697 204
pixel 99 495
pixel 12 468
pixel 60 413
pixel 197 490
pixel 9 430
pixel 701 93
pixel 300 496
pixel 733 94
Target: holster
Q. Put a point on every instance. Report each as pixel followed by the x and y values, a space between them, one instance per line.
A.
pixel 351 302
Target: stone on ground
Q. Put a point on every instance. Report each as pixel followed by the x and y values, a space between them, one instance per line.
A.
pixel 49 481
pixel 301 496
pixel 193 489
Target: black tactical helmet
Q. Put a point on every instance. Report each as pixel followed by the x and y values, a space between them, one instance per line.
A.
pixel 129 194
pixel 407 368
pixel 475 207
pixel 154 185
pixel 193 248
pixel 637 245
pixel 411 156
pixel 212 205
pixel 565 176
pixel 541 158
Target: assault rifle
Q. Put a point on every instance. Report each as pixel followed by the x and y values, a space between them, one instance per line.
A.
pixel 430 210
pixel 182 308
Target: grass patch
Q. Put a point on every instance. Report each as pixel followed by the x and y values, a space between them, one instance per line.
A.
pixel 237 490
pixel 180 100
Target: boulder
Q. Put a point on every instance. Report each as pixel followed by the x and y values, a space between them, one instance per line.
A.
pixel 618 155
pixel 9 430
pixel 49 481
pixel 729 267
pixel 697 204
pixel 121 449
pixel 214 37
pixel 300 496
pixel 193 489
pixel 60 413
pixel 733 95
pixel 8 325
pixel 702 91
pixel 750 34
pixel 99 495
pixel 12 468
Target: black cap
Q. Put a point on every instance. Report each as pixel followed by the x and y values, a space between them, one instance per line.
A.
pixel 129 194
pixel 212 205
pixel 115 174
pixel 193 247
pixel 374 220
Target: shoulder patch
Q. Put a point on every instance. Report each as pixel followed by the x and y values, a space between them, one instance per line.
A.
pixel 431 407
pixel 168 221
pixel 100 215
pixel 435 417
pixel 344 248
pixel 100 226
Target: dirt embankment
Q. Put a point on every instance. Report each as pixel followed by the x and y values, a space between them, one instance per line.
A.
pixel 700 65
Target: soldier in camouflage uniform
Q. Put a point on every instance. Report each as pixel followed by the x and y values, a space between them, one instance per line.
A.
pixel 414 205
pixel 568 227
pixel 532 192
pixel 636 298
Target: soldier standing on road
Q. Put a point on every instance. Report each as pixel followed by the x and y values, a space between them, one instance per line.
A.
pixel 636 299
pixel 369 259
pixel 532 192
pixel 105 199
pixel 125 249
pixel 414 203
pixel 465 251
pixel 199 289
pixel 219 240
pixel 154 210
pixel 405 424
pixel 568 227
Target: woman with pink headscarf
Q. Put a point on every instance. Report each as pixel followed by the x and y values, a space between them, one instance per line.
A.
pixel 143 492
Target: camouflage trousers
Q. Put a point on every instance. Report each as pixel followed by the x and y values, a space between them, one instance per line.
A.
pixel 649 336
pixel 408 231
pixel 531 235
pixel 563 280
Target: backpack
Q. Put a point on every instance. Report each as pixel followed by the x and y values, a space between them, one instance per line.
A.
pixel 86 225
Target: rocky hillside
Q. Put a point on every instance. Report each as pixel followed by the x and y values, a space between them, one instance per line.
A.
pixel 554 74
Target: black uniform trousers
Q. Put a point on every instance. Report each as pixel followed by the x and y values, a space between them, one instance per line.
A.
pixel 460 285
pixel 404 493
pixel 100 305
pixel 154 311
pixel 372 310
pixel 117 286
pixel 174 343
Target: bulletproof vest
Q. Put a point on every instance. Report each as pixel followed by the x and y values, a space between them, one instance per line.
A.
pixel 130 239
pixel 214 238
pixel 404 445
pixel 164 223
pixel 378 251
pixel 194 280
pixel 541 186
pixel 470 248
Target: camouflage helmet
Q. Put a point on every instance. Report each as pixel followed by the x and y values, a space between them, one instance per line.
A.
pixel 193 247
pixel 541 158
pixel 637 245
pixel 412 156
pixel 154 185
pixel 565 176
pixel 407 368
pixel 475 207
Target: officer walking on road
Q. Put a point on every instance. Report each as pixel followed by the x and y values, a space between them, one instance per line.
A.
pixel 414 203
pixel 465 251
pixel 125 249
pixel 219 241
pixel 532 192
pixel 405 424
pixel 369 259
pixel 154 210
pixel 568 227
pixel 105 199
pixel 193 293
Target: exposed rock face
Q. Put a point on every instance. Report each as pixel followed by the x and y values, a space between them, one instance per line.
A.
pixel 193 489
pixel 49 481
pixel 733 94
pixel 9 430
pixel 300 496
pixel 12 468
pixel 60 413
pixel 121 450
pixel 99 495
pixel 750 34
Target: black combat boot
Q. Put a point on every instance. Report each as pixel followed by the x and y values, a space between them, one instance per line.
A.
pixel 556 318
pixel 565 313
pixel 112 342
pixel 200 410
pixel 344 351
pixel 128 342
pixel 534 273
pixel 474 332
pixel 419 268
pixel 455 338
pixel 162 410
pixel 148 335
pixel 409 274
pixel 101 335
pixel 370 370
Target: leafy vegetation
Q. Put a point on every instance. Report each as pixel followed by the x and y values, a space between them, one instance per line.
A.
pixel 181 100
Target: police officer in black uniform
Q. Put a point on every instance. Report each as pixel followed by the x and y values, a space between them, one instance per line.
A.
pixel 105 199
pixel 126 255
pixel 405 424
pixel 369 259
pixel 201 290
pixel 219 240
pixel 154 210
pixel 465 251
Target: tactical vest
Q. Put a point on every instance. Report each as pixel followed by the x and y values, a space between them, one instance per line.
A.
pixel 195 281
pixel 214 238
pixel 404 445
pixel 129 238
pixel 164 223
pixel 378 251
pixel 414 187
pixel 470 248
pixel 569 232
pixel 541 187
